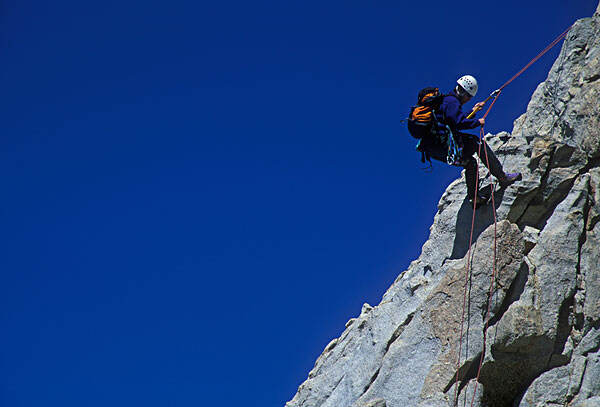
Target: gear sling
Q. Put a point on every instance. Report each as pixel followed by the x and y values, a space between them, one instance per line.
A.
pixel 424 125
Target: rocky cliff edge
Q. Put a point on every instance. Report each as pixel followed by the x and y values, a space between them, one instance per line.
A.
pixel 543 340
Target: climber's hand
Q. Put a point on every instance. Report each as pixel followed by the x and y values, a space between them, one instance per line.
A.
pixel 481 122
pixel 478 106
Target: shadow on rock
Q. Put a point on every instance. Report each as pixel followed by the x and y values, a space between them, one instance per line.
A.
pixel 484 217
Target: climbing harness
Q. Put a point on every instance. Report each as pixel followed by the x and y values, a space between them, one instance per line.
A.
pixel 424 126
pixel 455 150
pixel 493 96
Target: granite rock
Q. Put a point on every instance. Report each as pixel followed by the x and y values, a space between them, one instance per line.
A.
pixel 524 331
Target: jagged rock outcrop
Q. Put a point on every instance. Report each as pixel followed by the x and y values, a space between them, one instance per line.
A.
pixel 542 344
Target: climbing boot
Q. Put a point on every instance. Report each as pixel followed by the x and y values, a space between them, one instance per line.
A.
pixel 482 199
pixel 510 179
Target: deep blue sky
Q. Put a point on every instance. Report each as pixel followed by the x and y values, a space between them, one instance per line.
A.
pixel 196 198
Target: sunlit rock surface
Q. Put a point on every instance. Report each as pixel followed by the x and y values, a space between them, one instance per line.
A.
pixel 542 343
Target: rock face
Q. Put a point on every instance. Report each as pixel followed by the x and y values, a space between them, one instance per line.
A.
pixel 540 343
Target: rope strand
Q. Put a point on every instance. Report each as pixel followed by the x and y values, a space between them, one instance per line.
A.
pixel 538 56
pixel 492 288
pixel 494 272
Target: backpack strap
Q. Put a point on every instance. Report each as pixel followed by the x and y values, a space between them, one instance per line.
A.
pixel 425 157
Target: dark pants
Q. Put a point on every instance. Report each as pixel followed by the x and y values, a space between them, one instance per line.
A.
pixel 438 150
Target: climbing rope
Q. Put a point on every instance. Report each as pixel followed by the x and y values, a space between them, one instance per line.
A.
pixel 494 271
pixel 493 96
pixel 497 92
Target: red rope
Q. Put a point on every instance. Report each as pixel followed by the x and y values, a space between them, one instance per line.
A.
pixel 494 271
pixel 538 56
pixel 468 269
pixel 467 274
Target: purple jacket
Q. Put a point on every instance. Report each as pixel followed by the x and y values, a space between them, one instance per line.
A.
pixel 453 116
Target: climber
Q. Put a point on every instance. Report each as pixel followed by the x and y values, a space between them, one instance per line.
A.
pixel 450 114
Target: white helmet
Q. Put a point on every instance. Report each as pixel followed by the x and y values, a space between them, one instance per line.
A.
pixel 469 84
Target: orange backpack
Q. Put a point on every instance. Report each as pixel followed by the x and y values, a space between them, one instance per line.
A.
pixel 422 116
